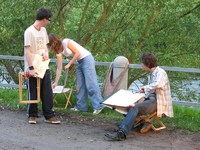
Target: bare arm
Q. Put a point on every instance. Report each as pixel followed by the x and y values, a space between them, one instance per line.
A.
pixel 29 58
pixel 58 71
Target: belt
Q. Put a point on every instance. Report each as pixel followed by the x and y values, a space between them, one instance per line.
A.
pixel 80 61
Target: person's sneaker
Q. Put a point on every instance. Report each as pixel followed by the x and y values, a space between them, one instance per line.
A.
pixel 95 112
pixel 74 109
pixel 32 120
pixel 53 120
pixel 118 135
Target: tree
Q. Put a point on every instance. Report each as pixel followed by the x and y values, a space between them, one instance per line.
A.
pixel 170 28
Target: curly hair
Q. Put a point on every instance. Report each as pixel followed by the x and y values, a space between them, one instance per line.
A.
pixel 149 60
pixel 55 44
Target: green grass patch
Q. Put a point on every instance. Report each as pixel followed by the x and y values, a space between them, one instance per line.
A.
pixel 186 118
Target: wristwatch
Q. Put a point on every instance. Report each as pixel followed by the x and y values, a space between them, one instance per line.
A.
pixel 31 68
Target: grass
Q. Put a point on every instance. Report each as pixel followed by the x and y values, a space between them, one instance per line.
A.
pixel 186 118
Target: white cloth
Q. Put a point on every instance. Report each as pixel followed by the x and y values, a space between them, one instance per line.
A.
pixel 67 52
pixel 159 84
pixel 40 66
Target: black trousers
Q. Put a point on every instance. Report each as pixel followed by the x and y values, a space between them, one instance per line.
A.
pixel 45 93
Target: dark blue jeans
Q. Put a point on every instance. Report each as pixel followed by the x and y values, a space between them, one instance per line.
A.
pixel 148 106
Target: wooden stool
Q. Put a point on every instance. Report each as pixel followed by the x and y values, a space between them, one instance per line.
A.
pixel 148 119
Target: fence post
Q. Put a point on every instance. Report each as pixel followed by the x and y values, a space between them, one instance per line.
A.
pixel 120 66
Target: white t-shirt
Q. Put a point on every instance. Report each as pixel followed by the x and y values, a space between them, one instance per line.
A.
pixel 67 52
pixel 37 40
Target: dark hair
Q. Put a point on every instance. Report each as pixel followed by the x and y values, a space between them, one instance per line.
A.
pixel 43 13
pixel 55 44
pixel 149 60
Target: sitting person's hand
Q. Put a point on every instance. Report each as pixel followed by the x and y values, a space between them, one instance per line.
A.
pixel 131 105
pixel 141 90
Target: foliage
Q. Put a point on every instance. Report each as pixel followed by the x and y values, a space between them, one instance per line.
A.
pixel 111 28
pixel 116 27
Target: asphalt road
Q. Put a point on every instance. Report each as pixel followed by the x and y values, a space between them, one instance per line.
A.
pixel 17 134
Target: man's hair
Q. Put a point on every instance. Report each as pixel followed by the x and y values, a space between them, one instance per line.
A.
pixel 149 60
pixel 43 13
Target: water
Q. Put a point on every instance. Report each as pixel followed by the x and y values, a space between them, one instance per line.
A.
pixel 185 90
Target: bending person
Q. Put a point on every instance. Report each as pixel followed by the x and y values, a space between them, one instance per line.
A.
pixel 86 79
pixel 157 98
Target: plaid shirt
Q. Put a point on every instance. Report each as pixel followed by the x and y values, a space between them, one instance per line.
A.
pixel 158 83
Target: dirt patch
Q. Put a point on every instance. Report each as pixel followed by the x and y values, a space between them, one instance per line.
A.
pixel 85 133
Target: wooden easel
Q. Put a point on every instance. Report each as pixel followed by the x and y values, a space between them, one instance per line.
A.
pixel 21 101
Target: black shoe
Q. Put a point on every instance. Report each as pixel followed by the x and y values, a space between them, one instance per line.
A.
pixel 116 135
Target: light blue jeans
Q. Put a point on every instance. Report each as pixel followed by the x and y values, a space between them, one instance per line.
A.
pixel 148 106
pixel 87 84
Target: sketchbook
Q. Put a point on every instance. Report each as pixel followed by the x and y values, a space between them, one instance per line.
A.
pixel 122 99
pixel 40 66
pixel 58 89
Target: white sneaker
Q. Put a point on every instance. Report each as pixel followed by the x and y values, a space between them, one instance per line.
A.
pixel 74 109
pixel 95 112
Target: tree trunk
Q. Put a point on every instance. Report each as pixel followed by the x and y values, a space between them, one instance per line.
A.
pixel 11 71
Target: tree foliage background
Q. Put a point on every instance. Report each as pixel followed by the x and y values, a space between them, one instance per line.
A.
pixel 109 28
pixel 168 28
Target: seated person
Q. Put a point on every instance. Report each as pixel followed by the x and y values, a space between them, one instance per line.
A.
pixel 157 98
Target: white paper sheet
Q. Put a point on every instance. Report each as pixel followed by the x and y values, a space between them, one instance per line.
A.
pixel 58 89
pixel 122 99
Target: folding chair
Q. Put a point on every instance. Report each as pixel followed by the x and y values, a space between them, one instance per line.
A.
pixel 149 120
pixel 63 90
pixel 22 76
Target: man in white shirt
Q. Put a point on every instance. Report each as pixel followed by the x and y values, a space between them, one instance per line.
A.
pixel 157 98
pixel 35 42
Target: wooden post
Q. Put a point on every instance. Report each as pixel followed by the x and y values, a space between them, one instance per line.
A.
pixel 119 65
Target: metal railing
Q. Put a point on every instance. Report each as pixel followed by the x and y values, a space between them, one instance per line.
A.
pixel 138 66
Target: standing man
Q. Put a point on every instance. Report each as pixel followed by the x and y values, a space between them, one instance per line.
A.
pixel 35 42
pixel 157 98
